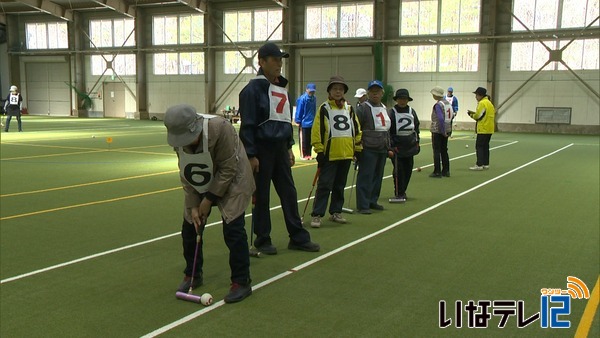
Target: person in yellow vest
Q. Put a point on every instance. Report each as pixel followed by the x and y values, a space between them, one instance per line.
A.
pixel 214 170
pixel 335 137
pixel 484 116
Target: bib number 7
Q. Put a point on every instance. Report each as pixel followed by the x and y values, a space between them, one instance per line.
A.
pixel 282 101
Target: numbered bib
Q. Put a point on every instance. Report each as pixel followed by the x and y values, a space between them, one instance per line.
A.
pixel 197 169
pixel 13 99
pixel 448 112
pixel 340 122
pixel 381 120
pixel 279 103
pixel 405 123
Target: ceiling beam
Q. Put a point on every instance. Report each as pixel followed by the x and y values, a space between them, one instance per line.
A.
pixel 282 3
pixel 118 6
pixel 49 7
pixel 198 5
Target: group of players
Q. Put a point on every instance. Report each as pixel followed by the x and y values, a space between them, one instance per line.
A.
pixel 220 167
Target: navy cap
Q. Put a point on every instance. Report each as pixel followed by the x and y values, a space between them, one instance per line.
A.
pixel 271 49
pixel 450 89
pixel 375 83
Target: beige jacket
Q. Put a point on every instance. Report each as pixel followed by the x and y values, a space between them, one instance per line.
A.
pixel 232 182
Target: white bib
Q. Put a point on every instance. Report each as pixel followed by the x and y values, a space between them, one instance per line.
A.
pixel 340 122
pixel 405 123
pixel 13 99
pixel 381 120
pixel 448 112
pixel 197 169
pixel 278 100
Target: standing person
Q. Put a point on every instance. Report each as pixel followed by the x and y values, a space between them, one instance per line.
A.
pixel 484 115
pixel 13 107
pixel 453 100
pixel 336 138
pixel 214 170
pixel 441 128
pixel 267 133
pixel 375 123
pixel 404 139
pixel 361 95
pixel 306 107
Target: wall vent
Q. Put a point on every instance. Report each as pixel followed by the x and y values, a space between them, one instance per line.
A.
pixel 556 115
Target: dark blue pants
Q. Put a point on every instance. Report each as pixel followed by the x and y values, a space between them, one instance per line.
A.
pixel 482 149
pixel 236 240
pixel 369 177
pixel 9 117
pixel 331 180
pixel 274 165
pixel 440 153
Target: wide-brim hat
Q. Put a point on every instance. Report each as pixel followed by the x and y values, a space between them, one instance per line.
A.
pixel 360 92
pixel 402 94
pixel 480 91
pixel 337 79
pixel 271 49
pixel 437 91
pixel 183 124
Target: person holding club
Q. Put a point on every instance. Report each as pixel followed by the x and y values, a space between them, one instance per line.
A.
pixel 214 170
pixel 336 138
pixel 404 141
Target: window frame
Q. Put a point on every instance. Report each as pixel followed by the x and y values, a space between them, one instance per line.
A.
pixel 338 20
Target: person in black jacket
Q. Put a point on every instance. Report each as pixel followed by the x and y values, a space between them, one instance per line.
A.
pixel 267 134
pixel 404 141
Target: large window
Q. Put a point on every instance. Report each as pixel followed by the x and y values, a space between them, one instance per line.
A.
pixel 123 64
pixel 545 14
pixel 182 29
pixel 420 17
pixel 442 58
pixel 253 25
pixel 47 35
pixel 579 55
pixel 179 63
pixel 345 20
pixel 234 62
pixel 112 33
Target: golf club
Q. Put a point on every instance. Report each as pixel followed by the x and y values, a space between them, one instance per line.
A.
pixel 396 198
pixel 253 251
pixel 310 193
pixel 189 296
pixel 348 210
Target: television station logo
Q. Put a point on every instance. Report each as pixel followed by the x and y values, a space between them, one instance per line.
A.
pixel 555 305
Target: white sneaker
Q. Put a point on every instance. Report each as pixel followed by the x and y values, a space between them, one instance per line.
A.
pixel 486 167
pixel 315 222
pixel 476 167
pixel 336 217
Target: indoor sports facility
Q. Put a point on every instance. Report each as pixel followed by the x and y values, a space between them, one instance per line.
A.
pixel 90 195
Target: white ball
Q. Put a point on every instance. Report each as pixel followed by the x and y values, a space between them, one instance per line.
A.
pixel 206 299
pixel 93 136
pixel 466 146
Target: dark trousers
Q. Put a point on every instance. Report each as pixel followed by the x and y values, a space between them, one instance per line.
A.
pixel 403 167
pixel 274 165
pixel 9 117
pixel 482 149
pixel 369 177
pixel 440 153
pixel 236 240
pixel 332 179
pixel 305 141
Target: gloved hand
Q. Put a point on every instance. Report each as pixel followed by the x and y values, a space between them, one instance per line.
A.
pixel 320 160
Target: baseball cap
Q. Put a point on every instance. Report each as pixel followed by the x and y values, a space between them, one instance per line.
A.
pixel 360 92
pixel 183 124
pixel 450 89
pixel 480 91
pixel 375 83
pixel 13 88
pixel 337 79
pixel 311 87
pixel 402 94
pixel 271 49
pixel 437 91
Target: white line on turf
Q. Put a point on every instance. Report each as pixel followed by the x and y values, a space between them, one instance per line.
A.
pixel 104 253
pixel 348 245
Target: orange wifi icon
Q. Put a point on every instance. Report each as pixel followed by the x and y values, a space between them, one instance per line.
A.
pixel 577 288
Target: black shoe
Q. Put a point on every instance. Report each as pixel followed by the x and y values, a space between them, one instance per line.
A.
pixel 435 175
pixel 376 206
pixel 446 174
pixel 238 292
pixel 308 246
pixel 185 284
pixel 267 249
pixel 365 211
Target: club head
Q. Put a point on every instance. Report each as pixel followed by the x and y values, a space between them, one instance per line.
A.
pixel 187 297
pixel 348 210
pixel 254 253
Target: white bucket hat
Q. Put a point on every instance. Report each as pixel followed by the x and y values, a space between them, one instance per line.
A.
pixel 437 91
pixel 13 88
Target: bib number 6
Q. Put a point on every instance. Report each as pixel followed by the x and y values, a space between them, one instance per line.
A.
pixel 196 174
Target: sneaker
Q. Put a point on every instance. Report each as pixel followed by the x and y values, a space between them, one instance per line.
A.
pixel 238 292
pixel 365 211
pixel 308 246
pixel 397 199
pixel 376 206
pixel 486 167
pixel 476 168
pixel 337 218
pixel 185 284
pixel 315 222
pixel 267 249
